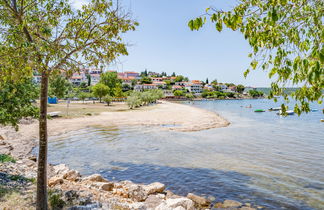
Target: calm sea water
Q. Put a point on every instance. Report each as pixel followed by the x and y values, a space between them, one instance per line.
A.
pixel 261 158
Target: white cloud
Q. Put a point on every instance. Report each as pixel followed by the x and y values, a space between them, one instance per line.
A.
pixel 77 4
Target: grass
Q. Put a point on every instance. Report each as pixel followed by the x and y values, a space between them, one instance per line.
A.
pixel 6 158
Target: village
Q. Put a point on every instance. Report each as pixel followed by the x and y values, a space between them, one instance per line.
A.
pixel 173 86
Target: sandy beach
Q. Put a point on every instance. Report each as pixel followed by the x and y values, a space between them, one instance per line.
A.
pixel 165 115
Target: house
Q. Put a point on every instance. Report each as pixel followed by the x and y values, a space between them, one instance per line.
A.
pixel 176 87
pixel 127 80
pixel 208 87
pixel 160 84
pixel 194 88
pixel 95 78
pixel 131 74
pixel 157 79
pixel 182 84
pixel 168 93
pixel 78 78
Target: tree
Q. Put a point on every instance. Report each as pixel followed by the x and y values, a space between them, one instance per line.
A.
pixel 83 95
pixel 240 88
pixel 146 80
pixel 173 74
pixel 207 82
pixel 118 91
pixel 58 86
pixel 286 37
pixel 49 36
pixel 100 90
pixel 178 93
pixel 179 78
pixel 214 82
pixel 16 101
pixel 110 79
pixel 108 99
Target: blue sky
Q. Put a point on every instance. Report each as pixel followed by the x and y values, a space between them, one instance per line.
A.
pixel 163 42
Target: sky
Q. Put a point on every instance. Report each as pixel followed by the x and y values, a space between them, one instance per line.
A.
pixel 164 42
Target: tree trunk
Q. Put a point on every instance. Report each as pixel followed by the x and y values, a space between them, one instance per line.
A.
pixel 41 203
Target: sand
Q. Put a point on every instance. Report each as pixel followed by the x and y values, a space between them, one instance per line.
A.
pixel 164 115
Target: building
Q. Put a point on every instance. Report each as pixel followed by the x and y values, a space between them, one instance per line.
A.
pixel 176 87
pixel 182 84
pixel 78 78
pixel 157 79
pixel 160 84
pixel 194 88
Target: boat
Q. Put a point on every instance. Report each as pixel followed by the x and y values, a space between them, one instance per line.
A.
pixel 288 112
pixel 322 120
pixel 275 109
pixel 259 110
pixel 314 110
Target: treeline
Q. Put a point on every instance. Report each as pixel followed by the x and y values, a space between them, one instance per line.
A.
pixel 137 99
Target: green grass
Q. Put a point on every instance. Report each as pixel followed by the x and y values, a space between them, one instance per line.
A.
pixel 6 158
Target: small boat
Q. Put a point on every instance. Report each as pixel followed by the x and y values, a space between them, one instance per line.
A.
pixel 322 120
pixel 288 112
pixel 314 110
pixel 275 109
pixel 259 110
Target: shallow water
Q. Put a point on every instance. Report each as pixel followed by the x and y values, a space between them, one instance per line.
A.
pixel 261 158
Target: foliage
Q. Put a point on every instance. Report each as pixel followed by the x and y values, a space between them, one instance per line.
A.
pixel 58 86
pixel 110 79
pixel 240 88
pixel 16 101
pixel 178 93
pixel 100 90
pixel 136 99
pixel 287 39
pixel 146 80
pixel 255 93
pixel 181 78
pixel 108 99
pixel 55 200
pixel 190 96
pixel 6 158
pixel 118 91
pixel 83 95
pixel 50 36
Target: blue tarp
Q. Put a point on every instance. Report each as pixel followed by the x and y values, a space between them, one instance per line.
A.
pixel 52 100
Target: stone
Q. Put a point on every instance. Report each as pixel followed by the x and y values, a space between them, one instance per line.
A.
pixel 33 158
pixel 136 192
pixel 218 205
pixel 71 195
pixel 177 203
pixel 155 187
pixel 94 178
pixel 153 201
pixel 1 138
pixel 60 169
pixel 55 181
pixel 72 175
pixel 201 201
pixel 247 208
pixel 231 204
pixel 103 186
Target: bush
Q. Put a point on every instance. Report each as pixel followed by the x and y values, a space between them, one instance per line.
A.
pixel 6 158
pixel 136 99
pixel 108 99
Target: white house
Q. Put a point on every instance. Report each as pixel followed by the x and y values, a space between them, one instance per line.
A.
pixel 194 87
pixel 143 87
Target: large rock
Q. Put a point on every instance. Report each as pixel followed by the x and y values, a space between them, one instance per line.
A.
pixel 56 180
pixel 94 178
pixel 231 204
pixel 72 175
pixel 105 186
pixel 136 192
pixel 153 201
pixel 177 203
pixel 155 187
pixel 60 169
pixel 201 201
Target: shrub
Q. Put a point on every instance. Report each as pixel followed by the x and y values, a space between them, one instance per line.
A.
pixel 6 158
pixel 108 99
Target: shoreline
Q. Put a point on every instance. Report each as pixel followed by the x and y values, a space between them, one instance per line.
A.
pixel 97 191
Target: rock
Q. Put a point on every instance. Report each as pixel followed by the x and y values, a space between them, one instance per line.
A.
pixel 1 138
pixel 201 201
pixel 55 181
pixel 136 192
pixel 33 158
pixel 72 175
pixel 2 143
pixel 155 187
pixel 103 186
pixel 60 169
pixel 218 205
pixel 153 201
pixel 247 208
pixel 71 195
pixel 94 178
pixel 231 204
pixel 177 203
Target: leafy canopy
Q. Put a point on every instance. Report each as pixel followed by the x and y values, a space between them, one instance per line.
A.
pixel 286 37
